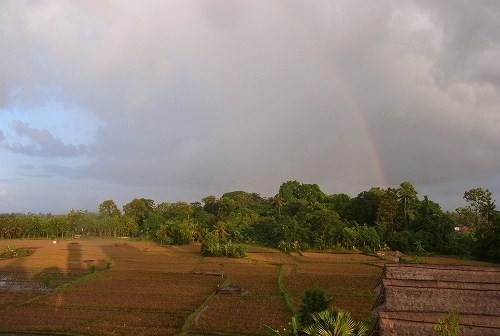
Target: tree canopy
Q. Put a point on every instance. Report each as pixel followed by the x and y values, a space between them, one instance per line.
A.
pixel 299 216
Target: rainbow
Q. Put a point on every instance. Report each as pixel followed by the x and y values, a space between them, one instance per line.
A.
pixel 368 138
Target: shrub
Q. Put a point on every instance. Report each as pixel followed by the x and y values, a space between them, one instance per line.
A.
pixel 313 301
pixel 14 252
pixel 403 241
pixel 109 263
pixel 46 279
pixel 213 246
pixel 462 244
pixel 448 325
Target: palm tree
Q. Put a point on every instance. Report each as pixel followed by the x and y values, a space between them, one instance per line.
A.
pixel 335 323
pixel 278 202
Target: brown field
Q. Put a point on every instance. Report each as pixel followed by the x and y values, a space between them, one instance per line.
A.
pixel 157 290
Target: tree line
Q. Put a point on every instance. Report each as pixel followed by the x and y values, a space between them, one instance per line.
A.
pixel 299 217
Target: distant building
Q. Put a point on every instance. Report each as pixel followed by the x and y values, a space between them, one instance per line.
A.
pixel 412 298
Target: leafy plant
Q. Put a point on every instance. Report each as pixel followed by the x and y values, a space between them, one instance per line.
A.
pixel 45 278
pixel 335 323
pixel 448 325
pixel 109 263
pixel 213 246
pixel 14 252
pixel 313 301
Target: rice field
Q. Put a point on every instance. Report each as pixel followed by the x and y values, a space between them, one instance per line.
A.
pixel 123 287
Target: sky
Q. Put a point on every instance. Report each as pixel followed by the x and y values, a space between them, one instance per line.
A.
pixel 176 100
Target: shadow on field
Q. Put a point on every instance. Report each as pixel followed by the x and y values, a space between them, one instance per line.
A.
pixel 120 252
pixel 13 276
pixel 52 277
pixel 74 258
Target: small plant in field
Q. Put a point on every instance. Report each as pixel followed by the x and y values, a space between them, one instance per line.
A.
pixel 46 279
pixel 335 322
pixel 14 252
pixel 92 268
pixel 291 329
pixel 109 263
pixel 448 325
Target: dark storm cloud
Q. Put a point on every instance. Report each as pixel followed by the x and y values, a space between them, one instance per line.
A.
pixel 202 97
pixel 41 143
pixel 470 41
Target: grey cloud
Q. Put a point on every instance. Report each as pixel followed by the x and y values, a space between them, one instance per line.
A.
pixel 244 95
pixel 470 41
pixel 41 143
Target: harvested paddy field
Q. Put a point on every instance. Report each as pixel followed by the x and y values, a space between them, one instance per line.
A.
pixel 123 287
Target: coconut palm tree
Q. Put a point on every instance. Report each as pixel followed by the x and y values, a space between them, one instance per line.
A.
pixel 335 323
pixel 278 202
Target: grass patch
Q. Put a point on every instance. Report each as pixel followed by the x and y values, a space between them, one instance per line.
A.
pixel 14 252
pixel 45 278
pixel 284 292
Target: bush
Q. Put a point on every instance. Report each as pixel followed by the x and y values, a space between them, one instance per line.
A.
pixel 109 263
pixel 14 252
pixel 462 244
pixel 448 325
pixel 403 241
pixel 313 301
pixel 213 246
pixel 46 279
pixel 175 232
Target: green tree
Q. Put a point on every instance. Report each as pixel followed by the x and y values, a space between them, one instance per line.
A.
pixel 408 200
pixel 267 230
pixel 210 205
pixel 109 208
pixel 293 190
pixel 175 232
pixel 387 212
pixel 138 210
pixel 152 223
pixel 278 202
pixel 325 228
pixel 488 241
pixel 367 238
pixel 340 203
pixel 176 211
pixel 481 205
pixel 364 207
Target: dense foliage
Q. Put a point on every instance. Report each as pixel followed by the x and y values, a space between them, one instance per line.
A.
pixel 313 301
pixel 299 217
